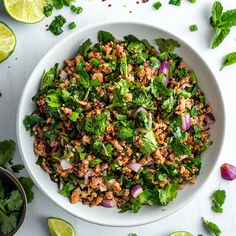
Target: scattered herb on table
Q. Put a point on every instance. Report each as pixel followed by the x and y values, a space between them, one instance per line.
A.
pixel 218 199
pixel 76 10
pixel 28 185
pixel 56 26
pixel 193 28
pixel 175 2
pixel 48 10
pixel 157 5
pixel 229 59
pixel 17 168
pixel 221 22
pixel 211 227
pixel 192 1
pixel 10 206
pixel 72 25
pixel 7 149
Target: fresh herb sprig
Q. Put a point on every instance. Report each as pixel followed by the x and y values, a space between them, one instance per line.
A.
pixel 218 199
pixel 229 59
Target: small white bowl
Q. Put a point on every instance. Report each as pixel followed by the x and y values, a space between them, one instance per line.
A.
pixel 67 48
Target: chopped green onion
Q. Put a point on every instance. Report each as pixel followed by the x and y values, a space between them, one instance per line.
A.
pixel 175 2
pixel 192 1
pixel 95 62
pixel 76 10
pixel 157 5
pixel 193 28
pixel 72 25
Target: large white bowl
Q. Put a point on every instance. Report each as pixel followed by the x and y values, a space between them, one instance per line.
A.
pixel 68 48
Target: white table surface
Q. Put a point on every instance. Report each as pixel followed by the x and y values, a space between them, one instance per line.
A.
pixel 34 41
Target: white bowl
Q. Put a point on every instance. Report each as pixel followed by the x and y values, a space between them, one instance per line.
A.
pixel 68 48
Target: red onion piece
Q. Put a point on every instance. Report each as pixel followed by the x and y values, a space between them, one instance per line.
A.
pixel 65 165
pixel 63 74
pixel 185 122
pixel 209 118
pixel 36 126
pixel 164 68
pixel 108 203
pixel 87 175
pixel 85 201
pixel 136 190
pixel 228 171
pixel 136 167
pixel 103 166
pixel 141 109
pixel 166 81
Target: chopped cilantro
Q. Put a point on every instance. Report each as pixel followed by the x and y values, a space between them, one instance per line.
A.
pixel 27 184
pixel 56 26
pixel 218 199
pixel 47 10
pixel 7 149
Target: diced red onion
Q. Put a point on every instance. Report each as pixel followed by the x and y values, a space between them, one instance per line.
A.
pixel 63 74
pixel 105 150
pixel 186 85
pixel 103 188
pixel 36 126
pixel 103 166
pixel 164 68
pixel 136 190
pixel 136 167
pixel 65 165
pixel 87 175
pixel 108 203
pixel 209 118
pixel 166 81
pixel 141 109
pixel 85 201
pixel 185 122
pixel 228 171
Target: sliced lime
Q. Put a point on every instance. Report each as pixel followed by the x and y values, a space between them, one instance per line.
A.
pixel 7 41
pixel 27 11
pixel 181 233
pixel 59 227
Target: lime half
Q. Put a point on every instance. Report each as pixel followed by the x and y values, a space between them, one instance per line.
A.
pixel 7 41
pixel 181 233
pixel 27 11
pixel 59 227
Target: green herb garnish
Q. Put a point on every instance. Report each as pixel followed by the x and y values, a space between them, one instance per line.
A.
pixel 193 28
pixel 229 59
pixel 218 199
pixel 157 5
pixel 56 26
pixel 212 227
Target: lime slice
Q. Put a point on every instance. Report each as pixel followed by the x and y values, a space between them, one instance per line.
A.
pixel 181 233
pixel 7 41
pixel 59 227
pixel 27 11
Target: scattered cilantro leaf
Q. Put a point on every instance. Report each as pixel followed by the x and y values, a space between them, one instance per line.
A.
pixel 30 121
pixel 53 98
pixel 218 199
pixel 7 149
pixel 8 223
pixel 17 168
pixel 229 59
pixel 212 227
pixel 27 184
pixel 149 143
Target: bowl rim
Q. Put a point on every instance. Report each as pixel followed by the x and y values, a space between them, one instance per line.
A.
pixel 19 187
pixel 142 24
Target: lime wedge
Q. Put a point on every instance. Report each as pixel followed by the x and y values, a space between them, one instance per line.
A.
pixel 27 11
pixel 181 233
pixel 59 227
pixel 7 41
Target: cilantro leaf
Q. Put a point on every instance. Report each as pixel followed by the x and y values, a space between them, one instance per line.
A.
pixel 53 98
pixel 212 227
pixel 15 201
pixel 84 47
pixel 219 36
pixel 84 78
pixel 216 12
pixel 105 37
pixel 30 121
pixel 17 168
pixel 179 147
pixel 27 184
pixel 49 76
pixel 7 149
pixel 149 143
pixel 168 193
pixel 229 59
pixel 8 223
pixel 167 45
pixel 126 130
pixel 218 199
pixel 67 190
pixel 131 38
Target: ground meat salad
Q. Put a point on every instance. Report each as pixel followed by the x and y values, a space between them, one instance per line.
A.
pixel 122 124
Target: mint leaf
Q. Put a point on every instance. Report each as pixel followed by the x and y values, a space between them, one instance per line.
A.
pixel 219 36
pixel 167 45
pixel 168 193
pixel 217 10
pixel 218 199
pixel 8 223
pixel 27 184
pixel 85 46
pixel 228 19
pixel 212 227
pixel 7 149
pixel 105 37
pixel 229 59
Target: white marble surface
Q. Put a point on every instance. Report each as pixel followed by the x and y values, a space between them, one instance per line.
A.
pixel 33 41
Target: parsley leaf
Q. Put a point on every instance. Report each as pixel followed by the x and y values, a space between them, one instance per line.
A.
pixel 17 168
pixel 84 47
pixel 105 37
pixel 212 227
pixel 218 199
pixel 27 184
pixel 167 45
pixel 229 59
pixel 7 149
pixel 53 98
